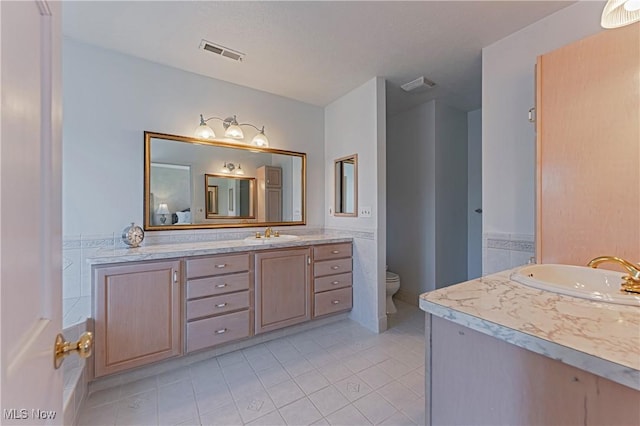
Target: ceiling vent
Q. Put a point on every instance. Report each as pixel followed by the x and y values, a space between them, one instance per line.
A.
pixel 418 83
pixel 221 50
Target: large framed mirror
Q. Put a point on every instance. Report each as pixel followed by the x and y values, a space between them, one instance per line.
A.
pixel 346 186
pixel 194 183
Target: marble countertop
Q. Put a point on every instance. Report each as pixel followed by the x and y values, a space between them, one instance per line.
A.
pixel 169 251
pixel 601 338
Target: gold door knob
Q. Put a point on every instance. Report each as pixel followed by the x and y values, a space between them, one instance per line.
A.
pixel 63 348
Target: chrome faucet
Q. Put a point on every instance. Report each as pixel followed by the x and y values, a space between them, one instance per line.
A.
pixel 631 282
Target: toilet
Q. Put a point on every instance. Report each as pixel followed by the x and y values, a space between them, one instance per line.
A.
pixel 393 285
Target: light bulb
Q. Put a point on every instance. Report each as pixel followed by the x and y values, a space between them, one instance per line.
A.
pixel 632 5
pixel 260 139
pixel 204 132
pixel 234 131
pixel 239 170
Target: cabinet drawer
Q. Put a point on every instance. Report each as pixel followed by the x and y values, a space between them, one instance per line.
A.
pixel 212 286
pixel 217 265
pixel 332 282
pixel 332 251
pixel 217 330
pixel 329 267
pixel 217 305
pixel 332 301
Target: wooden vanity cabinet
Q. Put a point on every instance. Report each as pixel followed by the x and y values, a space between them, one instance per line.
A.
pixel 333 279
pixel 137 315
pixel 283 288
pixel 219 298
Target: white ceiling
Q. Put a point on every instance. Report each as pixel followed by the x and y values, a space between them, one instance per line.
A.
pixel 315 52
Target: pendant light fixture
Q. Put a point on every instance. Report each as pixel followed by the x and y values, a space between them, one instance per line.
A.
pixel 618 13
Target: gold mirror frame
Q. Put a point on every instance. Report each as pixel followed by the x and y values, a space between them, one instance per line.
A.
pixel 148 210
pixel 340 186
pixel 215 215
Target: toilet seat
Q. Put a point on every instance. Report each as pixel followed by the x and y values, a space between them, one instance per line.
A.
pixel 392 277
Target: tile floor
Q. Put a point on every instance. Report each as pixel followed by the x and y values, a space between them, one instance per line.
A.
pixel 338 374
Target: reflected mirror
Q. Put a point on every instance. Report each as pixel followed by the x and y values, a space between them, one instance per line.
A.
pixel 229 196
pixel 346 186
pixel 193 183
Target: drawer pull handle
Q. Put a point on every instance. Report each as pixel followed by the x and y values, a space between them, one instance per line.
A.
pixel 335 302
pixel 335 251
pixel 221 285
pixel 223 265
pixel 335 267
pixel 335 282
pixel 221 305
pixel 222 331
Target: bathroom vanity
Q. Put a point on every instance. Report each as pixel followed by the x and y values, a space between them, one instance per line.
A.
pixel 159 302
pixel 500 352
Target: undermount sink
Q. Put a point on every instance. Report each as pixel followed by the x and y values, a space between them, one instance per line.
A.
pixel 578 281
pixel 271 240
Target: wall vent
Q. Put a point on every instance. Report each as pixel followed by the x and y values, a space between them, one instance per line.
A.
pixel 221 50
pixel 418 83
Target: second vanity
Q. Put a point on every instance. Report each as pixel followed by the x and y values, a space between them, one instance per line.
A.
pixel 159 302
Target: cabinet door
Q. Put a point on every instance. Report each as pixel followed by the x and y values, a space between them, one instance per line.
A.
pixel 273 177
pixel 283 288
pixel 588 179
pixel 137 315
pixel 274 205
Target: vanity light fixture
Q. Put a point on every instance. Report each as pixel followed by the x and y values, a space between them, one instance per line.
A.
pixel 618 13
pixel 231 130
pixel 163 210
pixel 230 167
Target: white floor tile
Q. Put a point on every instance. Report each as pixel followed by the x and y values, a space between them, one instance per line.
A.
pixel 272 419
pixel 398 419
pixel 173 376
pixel 285 393
pixel 104 414
pixel 328 400
pixel 213 398
pixel 301 412
pixel 397 394
pixel 176 403
pixel 297 366
pixel 414 410
pixel 348 416
pixel 226 415
pixel 101 397
pixel 311 382
pixel 414 381
pixel 357 363
pixel 231 358
pixel 263 362
pixel 272 376
pixel 246 387
pixel 255 406
pixel 394 368
pixel 375 377
pixel 138 409
pixel 139 386
pixel 375 408
pixel 335 372
pixel 320 358
pixel 353 388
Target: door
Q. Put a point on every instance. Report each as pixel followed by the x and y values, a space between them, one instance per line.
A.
pixel 283 288
pixel 30 213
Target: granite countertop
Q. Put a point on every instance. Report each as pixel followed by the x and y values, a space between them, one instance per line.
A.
pixel 601 338
pixel 169 251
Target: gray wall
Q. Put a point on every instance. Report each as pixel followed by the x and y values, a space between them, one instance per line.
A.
pixel 427 198
pixel 411 200
pixel 474 179
pixel 451 195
